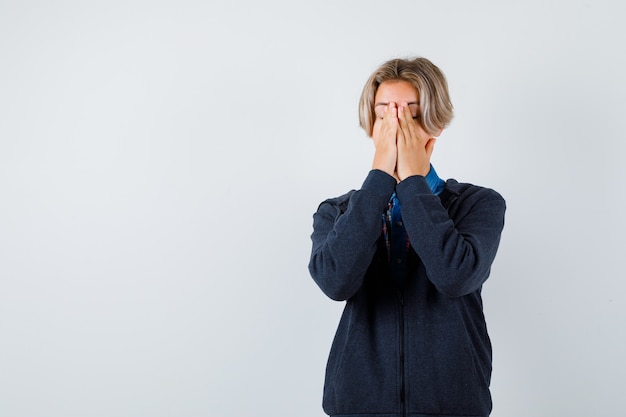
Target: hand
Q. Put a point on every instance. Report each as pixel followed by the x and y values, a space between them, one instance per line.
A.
pixel 415 146
pixel 384 134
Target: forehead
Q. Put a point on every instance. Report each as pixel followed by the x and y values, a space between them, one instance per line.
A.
pixel 396 91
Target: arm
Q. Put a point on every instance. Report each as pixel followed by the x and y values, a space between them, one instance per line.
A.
pixel 457 254
pixel 344 243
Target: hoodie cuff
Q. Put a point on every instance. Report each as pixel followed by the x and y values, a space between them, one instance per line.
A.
pixel 379 183
pixel 413 186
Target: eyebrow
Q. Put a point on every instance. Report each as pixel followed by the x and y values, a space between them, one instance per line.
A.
pixel 382 103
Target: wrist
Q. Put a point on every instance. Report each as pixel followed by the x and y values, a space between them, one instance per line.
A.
pixel 384 163
pixel 402 175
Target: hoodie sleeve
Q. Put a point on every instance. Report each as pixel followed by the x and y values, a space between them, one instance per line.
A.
pixel 457 254
pixel 344 238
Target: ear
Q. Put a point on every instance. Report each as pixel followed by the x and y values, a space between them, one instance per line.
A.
pixel 439 134
pixel 430 146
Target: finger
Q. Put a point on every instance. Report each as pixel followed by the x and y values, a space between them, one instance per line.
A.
pixel 402 127
pixel 414 123
pixel 391 118
pixel 410 127
pixel 385 122
pixel 403 114
pixel 402 121
pixel 420 132
pixel 391 112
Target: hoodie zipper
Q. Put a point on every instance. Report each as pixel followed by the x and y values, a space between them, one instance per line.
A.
pixel 402 359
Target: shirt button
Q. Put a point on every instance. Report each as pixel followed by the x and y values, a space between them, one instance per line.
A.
pixel 399 260
pixel 399 224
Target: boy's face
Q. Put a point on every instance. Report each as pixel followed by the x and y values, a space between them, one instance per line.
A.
pixel 398 92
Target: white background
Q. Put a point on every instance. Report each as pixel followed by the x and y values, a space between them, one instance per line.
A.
pixel 160 162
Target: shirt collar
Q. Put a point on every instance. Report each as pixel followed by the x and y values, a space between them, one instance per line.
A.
pixel 435 183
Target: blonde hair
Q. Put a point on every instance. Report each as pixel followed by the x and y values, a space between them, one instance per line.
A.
pixel 432 87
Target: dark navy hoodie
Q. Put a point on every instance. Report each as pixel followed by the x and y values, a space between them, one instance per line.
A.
pixel 420 347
